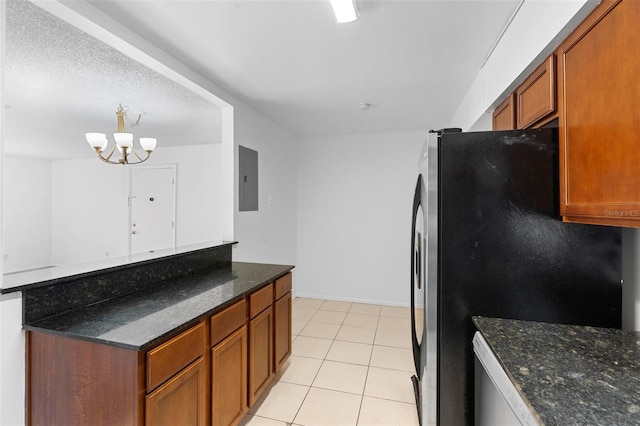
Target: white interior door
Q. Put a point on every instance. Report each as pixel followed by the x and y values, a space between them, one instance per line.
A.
pixel 152 208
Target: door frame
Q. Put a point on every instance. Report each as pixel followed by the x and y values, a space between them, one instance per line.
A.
pixel 173 167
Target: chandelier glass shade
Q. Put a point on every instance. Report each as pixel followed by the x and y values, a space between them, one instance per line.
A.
pixel 123 142
pixel 345 10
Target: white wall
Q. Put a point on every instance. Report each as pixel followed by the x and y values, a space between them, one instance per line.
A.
pixel 355 195
pixel 71 211
pixel 269 234
pixel 90 215
pixel 26 211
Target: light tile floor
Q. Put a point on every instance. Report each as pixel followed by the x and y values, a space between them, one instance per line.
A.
pixel 350 365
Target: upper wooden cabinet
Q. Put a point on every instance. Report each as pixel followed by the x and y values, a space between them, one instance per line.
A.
pixel 533 103
pixel 600 117
pixel 504 117
pixel 536 96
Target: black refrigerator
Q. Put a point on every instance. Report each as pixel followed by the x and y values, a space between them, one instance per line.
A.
pixel 487 239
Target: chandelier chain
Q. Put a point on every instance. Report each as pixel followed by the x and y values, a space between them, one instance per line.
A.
pixel 125 110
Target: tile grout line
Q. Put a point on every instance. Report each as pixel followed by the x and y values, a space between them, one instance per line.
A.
pixel 364 388
pixel 335 339
pixel 314 379
pixel 302 403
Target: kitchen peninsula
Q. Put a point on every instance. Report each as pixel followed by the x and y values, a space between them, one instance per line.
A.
pixel 187 338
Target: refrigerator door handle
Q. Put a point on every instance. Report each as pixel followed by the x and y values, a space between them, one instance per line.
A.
pixel 417 288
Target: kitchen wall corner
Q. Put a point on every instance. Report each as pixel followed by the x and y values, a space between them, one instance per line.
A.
pixel 354 216
pixel 267 235
pixel 12 386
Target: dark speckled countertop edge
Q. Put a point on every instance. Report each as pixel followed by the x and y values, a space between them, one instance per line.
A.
pixel 141 321
pixel 569 374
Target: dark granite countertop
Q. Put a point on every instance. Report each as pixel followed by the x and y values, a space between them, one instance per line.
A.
pixel 567 374
pixel 140 320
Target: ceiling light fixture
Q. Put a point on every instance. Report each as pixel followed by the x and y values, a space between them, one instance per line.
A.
pixel 345 10
pixel 124 141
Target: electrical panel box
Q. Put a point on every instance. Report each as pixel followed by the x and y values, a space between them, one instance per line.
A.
pixel 248 179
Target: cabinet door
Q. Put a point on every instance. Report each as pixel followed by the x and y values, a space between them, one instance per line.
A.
pixel 229 379
pixel 282 330
pixel 182 400
pixel 599 139
pixel 504 116
pixel 260 353
pixel 536 96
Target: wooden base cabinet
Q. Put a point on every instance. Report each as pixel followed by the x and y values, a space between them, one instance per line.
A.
pixel 74 382
pixel 229 379
pixel 209 374
pixel 260 353
pixel 282 321
pixel 282 318
pixel 182 400
pixel 177 379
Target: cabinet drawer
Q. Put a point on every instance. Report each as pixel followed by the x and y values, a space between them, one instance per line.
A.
pixel 229 320
pixel 283 286
pixel 172 356
pixel 259 300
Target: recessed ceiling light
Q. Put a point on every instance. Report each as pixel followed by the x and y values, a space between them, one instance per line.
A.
pixel 345 10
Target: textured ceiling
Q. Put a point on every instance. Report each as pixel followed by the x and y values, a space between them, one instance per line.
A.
pixel 60 83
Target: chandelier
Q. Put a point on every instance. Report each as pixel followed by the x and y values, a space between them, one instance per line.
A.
pixel 124 142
